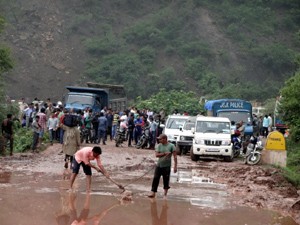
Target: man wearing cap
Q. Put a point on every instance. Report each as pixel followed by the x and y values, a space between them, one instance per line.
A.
pixel 163 152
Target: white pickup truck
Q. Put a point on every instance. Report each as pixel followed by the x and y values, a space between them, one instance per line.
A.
pixel 212 138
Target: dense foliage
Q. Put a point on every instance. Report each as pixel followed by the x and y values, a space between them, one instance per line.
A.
pixel 170 101
pixel 290 105
pixel 5 65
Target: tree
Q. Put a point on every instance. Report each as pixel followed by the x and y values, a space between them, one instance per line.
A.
pixel 5 65
pixel 290 104
pixel 171 100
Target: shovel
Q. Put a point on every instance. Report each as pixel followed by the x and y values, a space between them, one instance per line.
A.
pixel 119 185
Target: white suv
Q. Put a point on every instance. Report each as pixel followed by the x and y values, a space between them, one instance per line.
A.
pixel 212 138
pixel 172 127
pixel 185 139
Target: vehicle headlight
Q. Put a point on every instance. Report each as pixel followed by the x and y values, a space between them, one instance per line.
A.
pixel 182 138
pixel 170 137
pixel 199 141
pixel 226 142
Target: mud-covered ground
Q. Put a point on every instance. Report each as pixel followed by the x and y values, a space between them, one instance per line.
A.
pixel 259 187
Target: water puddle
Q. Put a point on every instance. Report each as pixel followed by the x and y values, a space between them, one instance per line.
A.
pixel 193 199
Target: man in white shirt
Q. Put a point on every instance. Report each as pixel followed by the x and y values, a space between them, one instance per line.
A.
pixel 270 122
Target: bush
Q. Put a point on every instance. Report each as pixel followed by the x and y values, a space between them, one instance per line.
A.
pixel 276 57
pixel 23 139
pixel 292 171
pixel 144 34
pixel 147 56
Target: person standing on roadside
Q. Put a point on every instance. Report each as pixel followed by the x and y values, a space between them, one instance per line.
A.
pixel 52 125
pixel 28 113
pixel 163 152
pixel 102 128
pixel 130 129
pixel 153 128
pixel 71 143
pixel 95 126
pixel 43 124
pixel 7 132
pixel 36 132
pixel 270 122
pixel 265 128
pixel 109 116
pixel 22 105
pixel 49 110
pixel 88 126
pixel 82 158
pixel 138 122
pixel 114 124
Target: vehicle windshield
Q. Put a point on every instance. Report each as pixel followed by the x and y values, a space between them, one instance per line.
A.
pixel 213 127
pixel 188 126
pixel 175 123
pixel 79 99
pixel 237 116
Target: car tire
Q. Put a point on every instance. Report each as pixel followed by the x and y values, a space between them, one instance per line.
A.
pixel 193 156
pixel 178 151
pixel 229 158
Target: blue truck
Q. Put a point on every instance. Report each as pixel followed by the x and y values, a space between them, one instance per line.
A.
pixel 235 110
pixel 96 96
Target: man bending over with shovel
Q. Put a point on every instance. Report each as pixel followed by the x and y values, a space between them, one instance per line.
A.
pixel 83 157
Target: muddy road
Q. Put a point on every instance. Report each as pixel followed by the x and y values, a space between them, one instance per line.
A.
pixel 34 190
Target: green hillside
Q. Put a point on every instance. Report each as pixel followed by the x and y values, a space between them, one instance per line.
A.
pixel 231 48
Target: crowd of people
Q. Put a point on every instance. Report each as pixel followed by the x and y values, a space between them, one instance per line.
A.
pixel 95 127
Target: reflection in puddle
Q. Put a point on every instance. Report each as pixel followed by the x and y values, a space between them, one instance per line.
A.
pixel 208 202
pixel 199 201
pixel 46 190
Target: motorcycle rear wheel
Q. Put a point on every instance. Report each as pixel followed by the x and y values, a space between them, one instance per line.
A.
pixel 117 139
pixel 253 158
pixel 236 152
pixel 144 143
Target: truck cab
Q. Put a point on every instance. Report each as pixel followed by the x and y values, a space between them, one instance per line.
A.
pixel 80 98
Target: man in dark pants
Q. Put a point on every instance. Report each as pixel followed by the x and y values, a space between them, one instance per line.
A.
pixel 130 129
pixel 36 131
pixel 7 132
pixel 109 117
pixel 163 152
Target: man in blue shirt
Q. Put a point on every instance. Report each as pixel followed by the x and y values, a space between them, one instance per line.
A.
pixel 102 128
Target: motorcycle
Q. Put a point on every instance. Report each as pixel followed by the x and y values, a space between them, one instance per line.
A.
pixel 144 139
pixel 253 154
pixel 84 134
pixel 87 135
pixel 120 136
pixel 236 146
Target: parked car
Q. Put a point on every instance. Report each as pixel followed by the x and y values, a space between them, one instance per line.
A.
pixel 185 138
pixel 172 127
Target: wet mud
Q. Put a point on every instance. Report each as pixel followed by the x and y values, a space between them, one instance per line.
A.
pixel 34 190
